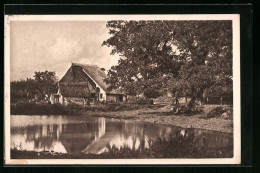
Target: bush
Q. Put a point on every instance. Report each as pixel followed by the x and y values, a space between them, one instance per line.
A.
pixel 39 109
pixel 226 112
pixel 184 109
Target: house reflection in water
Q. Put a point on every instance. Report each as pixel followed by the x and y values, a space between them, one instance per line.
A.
pixel 94 135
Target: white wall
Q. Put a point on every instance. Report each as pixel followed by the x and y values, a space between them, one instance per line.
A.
pixel 104 96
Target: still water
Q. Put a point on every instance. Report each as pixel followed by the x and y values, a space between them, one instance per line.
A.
pixel 83 134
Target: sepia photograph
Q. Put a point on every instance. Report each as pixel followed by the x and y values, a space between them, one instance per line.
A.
pixel 122 89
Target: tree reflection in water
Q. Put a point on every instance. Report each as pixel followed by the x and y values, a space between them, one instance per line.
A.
pixel 95 135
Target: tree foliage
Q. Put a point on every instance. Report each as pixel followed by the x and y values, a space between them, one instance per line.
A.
pixel 147 56
pixel 23 89
pixel 208 64
pixel 191 58
pixel 46 82
pixel 42 84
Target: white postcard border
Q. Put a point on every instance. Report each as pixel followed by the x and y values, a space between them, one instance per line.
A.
pixel 236 89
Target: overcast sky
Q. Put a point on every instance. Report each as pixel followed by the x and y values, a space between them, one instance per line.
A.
pixel 50 45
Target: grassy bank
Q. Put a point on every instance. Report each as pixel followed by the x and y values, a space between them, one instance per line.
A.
pixel 175 147
pixel 57 109
pixel 209 118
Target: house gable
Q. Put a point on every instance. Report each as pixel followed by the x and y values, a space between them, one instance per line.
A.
pixel 76 83
pixel 76 75
pixel 95 73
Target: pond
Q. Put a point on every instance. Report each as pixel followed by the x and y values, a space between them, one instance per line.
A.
pixel 84 134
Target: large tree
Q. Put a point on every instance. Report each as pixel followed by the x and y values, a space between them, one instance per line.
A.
pixel 208 64
pixel 147 54
pixel 194 57
pixel 45 82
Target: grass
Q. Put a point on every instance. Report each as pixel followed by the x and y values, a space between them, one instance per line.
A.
pixel 57 109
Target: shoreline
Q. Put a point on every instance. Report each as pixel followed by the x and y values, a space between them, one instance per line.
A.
pixel 156 114
pixel 184 121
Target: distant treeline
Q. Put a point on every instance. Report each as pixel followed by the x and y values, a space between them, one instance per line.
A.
pixel 44 83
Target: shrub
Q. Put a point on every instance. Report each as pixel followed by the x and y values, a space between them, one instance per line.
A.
pixel 226 112
pixel 57 109
pixel 184 109
pixel 40 109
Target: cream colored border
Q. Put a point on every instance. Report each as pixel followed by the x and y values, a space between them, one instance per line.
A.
pixel 236 88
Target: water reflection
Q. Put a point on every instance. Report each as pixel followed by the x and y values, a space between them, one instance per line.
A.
pixel 68 134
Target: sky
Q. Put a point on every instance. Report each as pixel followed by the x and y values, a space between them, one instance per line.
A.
pixel 53 45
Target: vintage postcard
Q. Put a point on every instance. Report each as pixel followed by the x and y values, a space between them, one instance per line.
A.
pixel 122 89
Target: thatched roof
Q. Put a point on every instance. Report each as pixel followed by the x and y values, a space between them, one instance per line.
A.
pixel 73 90
pixel 94 72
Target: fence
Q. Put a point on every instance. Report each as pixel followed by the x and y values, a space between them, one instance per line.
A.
pixel 218 100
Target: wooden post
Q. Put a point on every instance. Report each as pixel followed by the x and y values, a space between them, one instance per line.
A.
pixel 221 101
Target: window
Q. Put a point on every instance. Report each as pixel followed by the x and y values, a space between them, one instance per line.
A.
pixel 120 98
pixel 101 95
pixel 56 98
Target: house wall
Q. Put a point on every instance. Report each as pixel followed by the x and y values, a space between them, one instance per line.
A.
pixel 52 99
pixel 115 97
pixel 112 98
pixel 104 95
pixel 61 99
pixel 124 98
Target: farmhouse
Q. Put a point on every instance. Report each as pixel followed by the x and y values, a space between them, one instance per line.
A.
pixel 84 84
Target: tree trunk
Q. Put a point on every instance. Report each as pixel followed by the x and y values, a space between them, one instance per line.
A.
pixel 177 100
pixel 192 102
